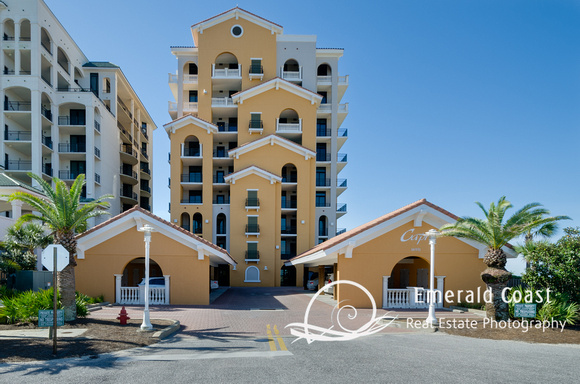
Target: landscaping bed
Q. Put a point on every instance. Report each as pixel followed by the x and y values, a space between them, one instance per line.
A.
pixel 102 336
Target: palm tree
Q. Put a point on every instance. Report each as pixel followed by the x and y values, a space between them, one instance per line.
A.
pixel 495 233
pixel 62 212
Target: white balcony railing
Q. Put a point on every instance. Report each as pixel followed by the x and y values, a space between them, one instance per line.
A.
pixel 324 79
pixel 222 102
pixel 172 106
pixel 288 127
pixel 190 79
pixel 189 107
pixel 291 75
pixel 343 108
pixel 226 73
pixel 158 295
pixel 343 80
pixel 325 108
pixel 129 295
pixel 172 78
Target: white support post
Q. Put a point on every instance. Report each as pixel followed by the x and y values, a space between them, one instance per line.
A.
pixel 16 209
pixel 118 288
pixel 431 319
pixel 385 291
pixel 166 289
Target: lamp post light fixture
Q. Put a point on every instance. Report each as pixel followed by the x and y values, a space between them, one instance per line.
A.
pixel 146 229
pixel 431 319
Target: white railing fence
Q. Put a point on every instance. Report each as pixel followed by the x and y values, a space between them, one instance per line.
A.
pixel 129 295
pixel 136 295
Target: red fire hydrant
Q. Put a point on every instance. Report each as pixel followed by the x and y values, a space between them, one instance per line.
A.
pixel 123 316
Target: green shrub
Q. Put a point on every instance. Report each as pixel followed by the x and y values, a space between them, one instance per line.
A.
pixel 6 293
pixel 559 308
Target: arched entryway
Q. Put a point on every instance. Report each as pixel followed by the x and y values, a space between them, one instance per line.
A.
pixel 134 271
pixel 130 286
pixel 407 284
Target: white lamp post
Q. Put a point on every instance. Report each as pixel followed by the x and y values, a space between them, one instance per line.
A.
pixel 431 319
pixel 147 229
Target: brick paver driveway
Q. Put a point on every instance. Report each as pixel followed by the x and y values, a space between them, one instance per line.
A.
pixel 251 312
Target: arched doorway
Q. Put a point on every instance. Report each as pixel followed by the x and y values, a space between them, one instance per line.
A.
pixel 134 272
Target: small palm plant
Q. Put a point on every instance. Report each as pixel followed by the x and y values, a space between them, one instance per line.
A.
pixel 495 232
pixel 20 243
pixel 62 212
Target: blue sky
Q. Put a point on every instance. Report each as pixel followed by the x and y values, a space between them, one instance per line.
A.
pixel 453 101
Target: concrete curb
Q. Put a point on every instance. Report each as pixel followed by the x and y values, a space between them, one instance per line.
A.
pixel 167 331
pixel 470 310
pixel 96 307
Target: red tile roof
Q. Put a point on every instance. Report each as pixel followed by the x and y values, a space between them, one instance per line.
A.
pixel 157 218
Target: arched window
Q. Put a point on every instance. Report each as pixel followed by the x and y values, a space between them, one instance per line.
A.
pixel 45 40
pixel 185 221
pixel 221 224
pixel 24 30
pixel 292 71
pixel 324 70
pixel 252 275
pixel 63 60
pixel 197 223
pixel 322 226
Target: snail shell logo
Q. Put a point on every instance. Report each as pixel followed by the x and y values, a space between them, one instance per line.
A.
pixel 338 332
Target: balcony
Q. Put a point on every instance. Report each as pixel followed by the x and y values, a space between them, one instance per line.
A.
pixel 292 75
pixel 218 179
pixel 341 210
pixel 128 194
pixel 47 170
pixel 323 132
pixel 47 141
pixel 97 178
pixel 144 153
pixel 128 154
pixel 325 108
pixel 220 154
pixel 72 89
pixel 253 203
pixel 324 80
pixel 341 160
pixel 17 136
pixel 192 178
pixel 222 102
pixel 190 79
pixel 192 200
pixel 190 107
pixel 288 127
pixel 289 204
pixel 226 73
pixel 224 201
pixel 252 229
pixel 128 175
pixel 256 72
pixel 17 106
pixel 256 126
pixel 72 147
pixel 252 256
pixel 342 86
pixel 47 113
pixel 322 204
pixel 226 127
pixel 68 120
pixel 340 231
pixel 288 231
pixel 322 182
pixel 97 126
pixel 323 157
pixel 145 188
pixel 67 175
pixel 290 179
pixel 18 165
pixel 145 172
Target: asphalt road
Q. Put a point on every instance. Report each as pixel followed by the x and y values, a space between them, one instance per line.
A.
pixel 216 357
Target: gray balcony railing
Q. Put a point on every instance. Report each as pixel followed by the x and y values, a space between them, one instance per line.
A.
pixel 145 168
pixel 288 231
pixel 252 202
pixel 20 106
pixel 192 200
pixel 289 204
pixel 68 120
pixel 341 158
pixel 145 188
pixel 72 147
pixel 342 132
pixel 256 124
pixel 144 153
pixel 18 165
pixel 323 132
pixel 68 88
pixel 252 228
pixel 17 135
pixel 220 154
pixel 128 194
pixel 67 175
pixel 226 127
pixel 191 152
pixel 322 182
pixel 128 149
pixel 340 231
pixel 46 113
pixel 341 183
pixel 219 179
pixel 128 172
pixel 252 255
pixel 290 179
pixel 285 255
pixel 225 201
pixel 192 178
pixel 97 126
pixel 97 178
pixel 47 141
pixel 341 207
pixel 97 152
pixel 322 204
pixel 47 169
pixel 323 157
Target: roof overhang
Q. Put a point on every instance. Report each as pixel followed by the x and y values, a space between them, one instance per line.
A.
pixel 136 218
pixel 345 244
pixel 253 170
pixel 271 140
pixel 277 83
pixel 187 120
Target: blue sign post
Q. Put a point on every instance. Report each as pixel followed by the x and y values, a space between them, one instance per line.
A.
pixel 525 310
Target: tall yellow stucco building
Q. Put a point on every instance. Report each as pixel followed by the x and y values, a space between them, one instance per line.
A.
pixel 255 142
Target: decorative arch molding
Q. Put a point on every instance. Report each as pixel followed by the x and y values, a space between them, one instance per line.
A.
pixel 252 275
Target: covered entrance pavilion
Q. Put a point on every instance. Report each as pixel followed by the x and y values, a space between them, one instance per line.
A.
pixel 389 257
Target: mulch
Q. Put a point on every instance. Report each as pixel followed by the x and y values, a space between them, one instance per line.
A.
pixel 102 336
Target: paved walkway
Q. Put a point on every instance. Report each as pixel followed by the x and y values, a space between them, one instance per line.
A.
pixel 254 312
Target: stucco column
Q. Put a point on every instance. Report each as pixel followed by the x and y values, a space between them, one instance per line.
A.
pixel 17 48
pixel 90 151
pixel 16 209
pixel 166 277
pixel 36 134
pixel 440 286
pixel 118 288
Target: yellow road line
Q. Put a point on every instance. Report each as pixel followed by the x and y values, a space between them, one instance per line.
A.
pixel 271 339
pixel 280 341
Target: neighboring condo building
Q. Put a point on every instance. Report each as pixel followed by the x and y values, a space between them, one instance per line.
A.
pixel 64 115
pixel 255 142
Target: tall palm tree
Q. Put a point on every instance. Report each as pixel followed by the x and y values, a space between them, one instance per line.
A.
pixel 495 231
pixel 62 212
